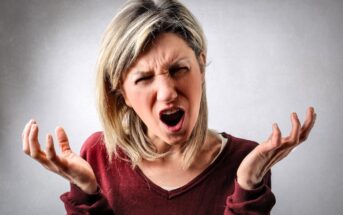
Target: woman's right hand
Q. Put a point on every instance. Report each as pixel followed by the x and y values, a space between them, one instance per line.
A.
pixel 67 164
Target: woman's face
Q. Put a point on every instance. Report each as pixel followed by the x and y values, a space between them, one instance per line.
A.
pixel 164 88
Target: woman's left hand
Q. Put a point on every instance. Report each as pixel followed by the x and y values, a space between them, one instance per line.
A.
pixel 260 160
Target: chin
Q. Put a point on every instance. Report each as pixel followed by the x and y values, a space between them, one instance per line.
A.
pixel 178 138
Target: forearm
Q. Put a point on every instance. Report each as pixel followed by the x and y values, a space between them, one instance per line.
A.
pixel 257 201
pixel 78 202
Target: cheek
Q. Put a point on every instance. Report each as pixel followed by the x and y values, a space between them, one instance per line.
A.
pixel 195 89
pixel 141 103
pixel 197 92
pixel 193 93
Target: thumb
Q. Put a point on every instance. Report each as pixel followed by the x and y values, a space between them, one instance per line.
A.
pixel 273 141
pixel 62 139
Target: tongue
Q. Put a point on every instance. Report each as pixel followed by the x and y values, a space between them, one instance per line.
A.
pixel 172 119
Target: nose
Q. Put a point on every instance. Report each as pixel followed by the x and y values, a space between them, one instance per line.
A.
pixel 166 89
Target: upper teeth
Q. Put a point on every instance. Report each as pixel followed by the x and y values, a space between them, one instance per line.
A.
pixel 170 111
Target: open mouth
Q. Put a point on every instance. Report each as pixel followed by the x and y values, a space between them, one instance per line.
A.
pixel 172 116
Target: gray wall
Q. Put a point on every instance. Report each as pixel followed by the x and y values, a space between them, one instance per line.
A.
pixel 266 59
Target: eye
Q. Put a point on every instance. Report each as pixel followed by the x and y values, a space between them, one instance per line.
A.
pixel 143 79
pixel 176 71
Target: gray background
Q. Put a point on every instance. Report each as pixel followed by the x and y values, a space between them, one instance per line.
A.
pixel 266 59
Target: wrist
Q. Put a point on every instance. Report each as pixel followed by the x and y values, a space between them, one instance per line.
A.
pixel 91 188
pixel 248 184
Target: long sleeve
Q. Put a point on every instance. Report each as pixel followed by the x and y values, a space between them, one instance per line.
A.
pixel 251 202
pixel 78 202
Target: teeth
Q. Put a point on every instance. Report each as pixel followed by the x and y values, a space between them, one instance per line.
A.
pixel 170 111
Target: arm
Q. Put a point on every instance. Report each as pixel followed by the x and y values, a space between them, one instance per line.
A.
pixel 257 201
pixel 252 193
pixel 85 197
pixel 78 202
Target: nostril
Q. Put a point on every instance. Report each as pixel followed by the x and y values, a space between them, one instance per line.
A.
pixel 166 92
pixel 166 95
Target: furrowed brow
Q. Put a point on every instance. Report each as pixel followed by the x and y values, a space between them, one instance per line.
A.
pixel 180 61
pixel 141 73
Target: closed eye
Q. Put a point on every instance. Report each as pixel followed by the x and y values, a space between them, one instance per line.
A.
pixel 144 79
pixel 178 70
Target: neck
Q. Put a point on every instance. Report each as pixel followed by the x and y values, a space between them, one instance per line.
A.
pixel 174 155
pixel 164 147
pixel 168 171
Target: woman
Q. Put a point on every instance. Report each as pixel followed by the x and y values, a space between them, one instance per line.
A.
pixel 156 154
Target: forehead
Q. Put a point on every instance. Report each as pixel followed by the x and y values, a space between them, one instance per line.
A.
pixel 166 49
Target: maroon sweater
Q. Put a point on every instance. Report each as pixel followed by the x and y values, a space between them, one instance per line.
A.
pixel 123 190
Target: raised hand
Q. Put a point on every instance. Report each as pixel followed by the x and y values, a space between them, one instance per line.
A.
pixel 259 161
pixel 68 164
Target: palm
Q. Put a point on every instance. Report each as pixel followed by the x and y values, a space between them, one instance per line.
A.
pixel 260 160
pixel 68 164
pixel 73 167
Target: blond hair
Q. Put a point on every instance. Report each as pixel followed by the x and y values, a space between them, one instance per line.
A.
pixel 136 25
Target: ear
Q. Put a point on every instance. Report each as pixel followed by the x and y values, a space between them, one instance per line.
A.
pixel 123 94
pixel 202 59
pixel 127 102
pixel 202 64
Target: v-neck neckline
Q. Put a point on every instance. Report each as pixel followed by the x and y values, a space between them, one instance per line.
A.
pixel 169 194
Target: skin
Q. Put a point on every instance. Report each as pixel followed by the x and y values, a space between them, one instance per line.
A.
pixel 167 87
pixel 259 161
pixel 166 75
pixel 67 164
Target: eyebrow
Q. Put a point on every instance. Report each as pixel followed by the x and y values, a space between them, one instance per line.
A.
pixel 173 64
pixel 140 72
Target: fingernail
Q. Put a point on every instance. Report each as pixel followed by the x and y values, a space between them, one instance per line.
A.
pixel 295 115
pixel 312 109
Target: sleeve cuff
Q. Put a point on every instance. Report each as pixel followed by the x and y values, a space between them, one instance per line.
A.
pixel 242 195
pixel 80 197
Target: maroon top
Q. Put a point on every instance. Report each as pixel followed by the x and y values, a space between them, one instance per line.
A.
pixel 123 190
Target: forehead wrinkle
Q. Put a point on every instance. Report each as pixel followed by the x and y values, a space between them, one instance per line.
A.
pixel 158 61
pixel 159 56
pixel 161 59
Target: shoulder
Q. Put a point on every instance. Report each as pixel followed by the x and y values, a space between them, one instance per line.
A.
pixel 94 150
pixel 239 143
pixel 93 146
pixel 238 148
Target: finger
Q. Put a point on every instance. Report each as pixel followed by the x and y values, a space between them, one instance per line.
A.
pixel 295 132
pixel 33 142
pixel 62 139
pixel 26 128
pixel 276 136
pixel 308 124
pixel 310 117
pixel 50 149
pixel 273 142
pixel 271 146
pixel 51 154
pixel 25 137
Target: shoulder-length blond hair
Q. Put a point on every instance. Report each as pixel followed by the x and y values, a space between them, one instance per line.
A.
pixel 131 30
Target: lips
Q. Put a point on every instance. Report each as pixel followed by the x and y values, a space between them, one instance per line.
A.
pixel 172 118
